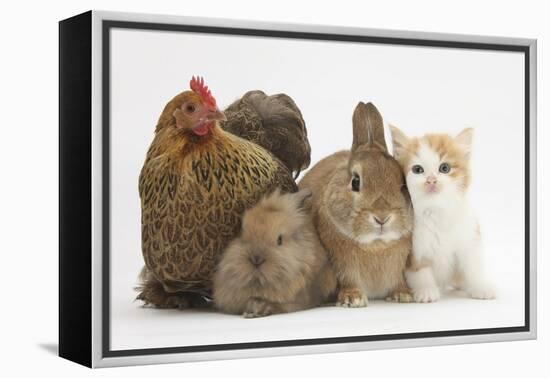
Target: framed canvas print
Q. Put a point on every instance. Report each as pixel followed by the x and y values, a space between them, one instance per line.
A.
pixel 233 189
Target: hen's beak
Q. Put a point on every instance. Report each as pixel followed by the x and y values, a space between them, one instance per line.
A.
pixel 216 115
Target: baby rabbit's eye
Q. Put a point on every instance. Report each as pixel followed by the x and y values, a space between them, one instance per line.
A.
pixel 444 168
pixel 355 182
pixel 280 240
pixel 417 169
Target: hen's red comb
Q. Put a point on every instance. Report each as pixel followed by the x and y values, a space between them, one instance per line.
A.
pixel 197 86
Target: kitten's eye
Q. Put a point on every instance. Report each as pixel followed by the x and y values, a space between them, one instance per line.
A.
pixel 190 108
pixel 417 169
pixel 355 182
pixel 445 168
pixel 280 240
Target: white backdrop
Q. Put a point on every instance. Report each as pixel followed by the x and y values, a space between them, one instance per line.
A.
pixel 29 66
pixel 418 89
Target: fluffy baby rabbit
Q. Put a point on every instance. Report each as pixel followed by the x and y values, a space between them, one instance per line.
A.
pixel 276 264
pixel 363 215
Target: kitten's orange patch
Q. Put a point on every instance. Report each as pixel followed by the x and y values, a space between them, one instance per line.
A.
pixel 451 152
pixel 406 152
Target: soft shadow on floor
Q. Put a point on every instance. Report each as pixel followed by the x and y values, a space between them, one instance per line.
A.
pixel 50 348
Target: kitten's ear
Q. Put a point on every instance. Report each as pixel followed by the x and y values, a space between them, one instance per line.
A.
pixel 464 139
pixel 400 141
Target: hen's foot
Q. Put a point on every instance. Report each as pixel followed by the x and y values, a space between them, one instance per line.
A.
pixel 152 293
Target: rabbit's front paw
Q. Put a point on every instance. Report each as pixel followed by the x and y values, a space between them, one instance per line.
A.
pixel 256 308
pixel 400 296
pixel 351 297
pixel 426 295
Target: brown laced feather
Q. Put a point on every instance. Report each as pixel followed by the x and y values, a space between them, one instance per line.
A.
pixel 193 193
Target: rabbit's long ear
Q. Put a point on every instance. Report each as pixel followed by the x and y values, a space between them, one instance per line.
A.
pixel 376 126
pixel 361 133
pixel 368 127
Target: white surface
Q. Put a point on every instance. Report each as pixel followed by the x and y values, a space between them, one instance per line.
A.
pixel 145 328
pixel 416 88
pixel 29 318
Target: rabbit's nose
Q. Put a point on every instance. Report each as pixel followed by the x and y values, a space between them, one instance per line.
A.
pixel 257 260
pixel 381 221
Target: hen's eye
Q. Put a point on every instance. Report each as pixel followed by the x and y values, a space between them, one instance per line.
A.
pixel 280 240
pixel 444 168
pixel 417 169
pixel 355 182
pixel 190 108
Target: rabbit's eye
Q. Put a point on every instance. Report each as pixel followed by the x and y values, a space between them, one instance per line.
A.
pixel 280 240
pixel 355 182
pixel 417 169
pixel 445 168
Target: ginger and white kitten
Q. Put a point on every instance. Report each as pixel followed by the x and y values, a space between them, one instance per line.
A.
pixel 447 248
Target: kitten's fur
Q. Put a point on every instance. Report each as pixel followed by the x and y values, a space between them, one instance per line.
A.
pixel 447 246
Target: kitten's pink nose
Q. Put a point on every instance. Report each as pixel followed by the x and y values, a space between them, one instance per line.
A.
pixel 431 180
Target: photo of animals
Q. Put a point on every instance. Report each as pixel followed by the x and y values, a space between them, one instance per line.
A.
pixel 289 189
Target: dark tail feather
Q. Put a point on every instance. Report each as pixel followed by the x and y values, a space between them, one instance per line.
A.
pixel 273 122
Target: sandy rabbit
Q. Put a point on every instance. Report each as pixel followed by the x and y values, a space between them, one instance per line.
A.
pixel 363 215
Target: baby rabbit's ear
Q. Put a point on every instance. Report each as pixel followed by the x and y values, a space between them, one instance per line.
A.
pixel 368 126
pixel 302 197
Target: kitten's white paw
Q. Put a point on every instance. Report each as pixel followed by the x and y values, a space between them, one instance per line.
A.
pixel 482 291
pixel 426 295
